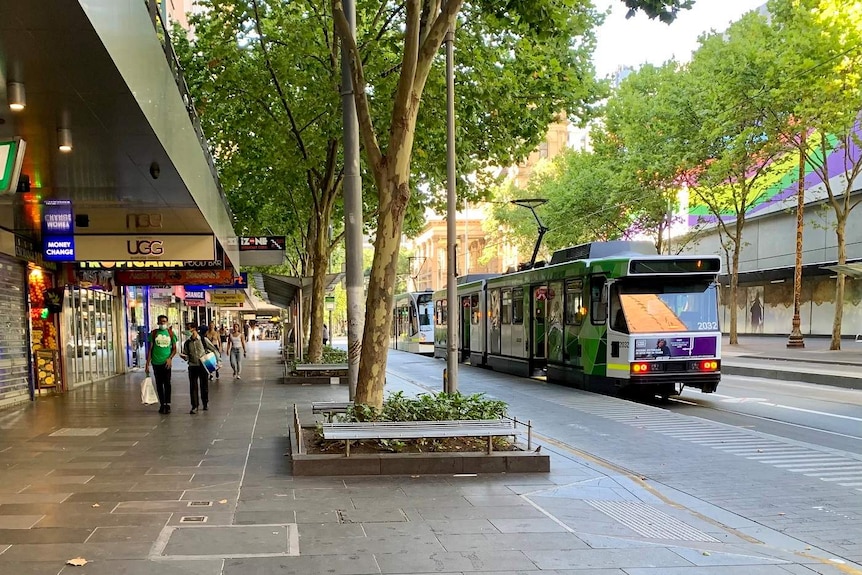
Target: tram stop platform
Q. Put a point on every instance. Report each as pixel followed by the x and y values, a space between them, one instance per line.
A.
pixel 96 478
pixel 769 357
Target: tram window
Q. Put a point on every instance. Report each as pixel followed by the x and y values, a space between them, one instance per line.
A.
pixel 518 306
pixel 598 300
pixel 506 309
pixel 574 302
pixel 494 309
pixel 476 313
pixel 619 322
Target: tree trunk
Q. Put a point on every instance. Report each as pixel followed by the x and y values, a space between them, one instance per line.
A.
pixel 734 281
pixel 839 282
pixel 381 292
pixel 319 267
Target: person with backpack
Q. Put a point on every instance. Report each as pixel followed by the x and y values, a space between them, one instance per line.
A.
pixel 161 350
pixel 195 347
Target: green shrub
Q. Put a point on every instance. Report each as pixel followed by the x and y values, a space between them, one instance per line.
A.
pixel 428 407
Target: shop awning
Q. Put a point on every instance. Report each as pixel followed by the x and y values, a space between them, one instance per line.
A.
pixel 850 270
pixel 281 291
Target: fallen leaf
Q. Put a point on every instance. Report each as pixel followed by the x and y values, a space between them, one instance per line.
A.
pixel 706 553
pixel 780 514
pixel 77 562
pixel 96 505
pixel 223 501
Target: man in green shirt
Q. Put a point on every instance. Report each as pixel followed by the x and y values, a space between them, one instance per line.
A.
pixel 162 349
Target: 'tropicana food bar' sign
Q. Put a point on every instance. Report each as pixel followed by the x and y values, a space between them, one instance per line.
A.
pixel 173 277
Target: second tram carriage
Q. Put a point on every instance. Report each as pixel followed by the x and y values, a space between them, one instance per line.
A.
pixel 605 314
pixel 413 323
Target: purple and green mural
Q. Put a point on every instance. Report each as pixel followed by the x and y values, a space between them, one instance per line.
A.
pixel 779 184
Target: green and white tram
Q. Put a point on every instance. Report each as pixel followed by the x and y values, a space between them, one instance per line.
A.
pixel 605 314
pixel 413 323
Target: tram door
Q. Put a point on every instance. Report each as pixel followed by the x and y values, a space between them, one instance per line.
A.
pixel 538 319
pixel 466 314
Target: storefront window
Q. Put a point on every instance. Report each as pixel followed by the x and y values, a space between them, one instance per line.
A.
pixel 89 335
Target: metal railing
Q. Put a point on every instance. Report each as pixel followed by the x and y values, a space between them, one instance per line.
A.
pixel 163 35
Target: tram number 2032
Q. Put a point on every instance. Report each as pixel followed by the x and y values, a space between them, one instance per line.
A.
pixel 707 325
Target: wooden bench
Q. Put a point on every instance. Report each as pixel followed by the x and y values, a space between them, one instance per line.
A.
pixel 330 408
pixel 489 428
pixel 318 367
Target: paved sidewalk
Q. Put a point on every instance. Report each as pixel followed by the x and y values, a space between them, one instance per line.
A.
pixel 94 474
pixel 769 357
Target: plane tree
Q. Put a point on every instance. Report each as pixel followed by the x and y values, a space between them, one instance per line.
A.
pixel 727 123
pixel 816 87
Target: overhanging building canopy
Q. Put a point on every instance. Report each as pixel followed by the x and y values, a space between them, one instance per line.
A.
pixel 96 75
pixel 282 290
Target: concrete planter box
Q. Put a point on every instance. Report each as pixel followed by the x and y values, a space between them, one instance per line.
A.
pixel 415 463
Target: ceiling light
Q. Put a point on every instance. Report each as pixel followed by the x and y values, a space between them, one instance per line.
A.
pixel 15 94
pixel 64 138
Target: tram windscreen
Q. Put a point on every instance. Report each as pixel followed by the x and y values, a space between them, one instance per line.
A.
pixel 425 303
pixel 662 306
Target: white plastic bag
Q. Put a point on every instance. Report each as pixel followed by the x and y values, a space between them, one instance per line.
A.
pixel 148 392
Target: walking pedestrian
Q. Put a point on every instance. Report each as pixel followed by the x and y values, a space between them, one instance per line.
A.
pixel 235 346
pixel 325 334
pixel 193 350
pixel 212 342
pixel 161 350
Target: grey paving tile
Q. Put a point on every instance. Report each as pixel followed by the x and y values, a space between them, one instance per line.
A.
pixel 293 504
pixel 511 512
pixel 124 534
pixel 24 498
pixel 62 551
pixel 303 516
pixel 397 528
pixel 320 531
pixel 314 565
pixel 458 526
pixel 537 525
pixel 398 501
pixel 19 521
pixel 714 570
pixel 697 557
pixel 445 562
pixel 104 519
pixel 413 544
pixel 495 500
pixel 29 568
pixel 124 496
pixel 44 535
pixel 227 540
pixel 93 487
pixel 607 558
pixel 147 567
pixel 511 541
pixel 59 478
pixel 370 515
pixel 272 517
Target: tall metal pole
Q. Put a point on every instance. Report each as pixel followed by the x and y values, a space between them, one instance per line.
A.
pixel 796 339
pixel 352 211
pixel 451 230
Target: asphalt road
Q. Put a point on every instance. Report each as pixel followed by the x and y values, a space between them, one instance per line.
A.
pixel 823 415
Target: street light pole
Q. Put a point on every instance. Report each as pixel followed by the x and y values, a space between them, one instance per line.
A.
pixel 796 339
pixel 454 314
